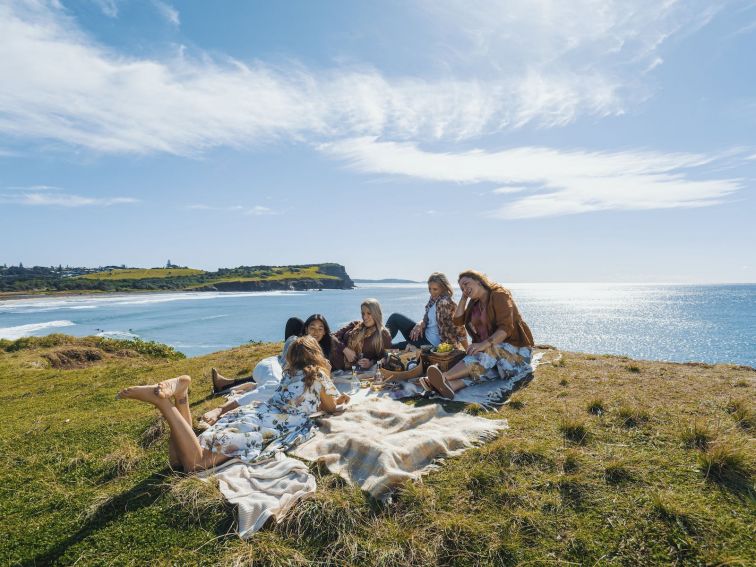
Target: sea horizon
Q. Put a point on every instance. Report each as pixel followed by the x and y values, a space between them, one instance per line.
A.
pixel 712 323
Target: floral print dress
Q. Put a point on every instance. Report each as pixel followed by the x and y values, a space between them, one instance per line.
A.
pixel 500 361
pixel 257 431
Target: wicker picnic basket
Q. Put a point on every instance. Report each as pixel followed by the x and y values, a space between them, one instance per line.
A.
pixel 406 357
pixel 444 360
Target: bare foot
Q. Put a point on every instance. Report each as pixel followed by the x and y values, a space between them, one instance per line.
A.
pixel 175 387
pixel 142 393
pixel 220 382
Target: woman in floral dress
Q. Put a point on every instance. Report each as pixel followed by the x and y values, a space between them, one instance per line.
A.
pixel 251 432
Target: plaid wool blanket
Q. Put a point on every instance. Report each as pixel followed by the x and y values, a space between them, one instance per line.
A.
pixel 381 443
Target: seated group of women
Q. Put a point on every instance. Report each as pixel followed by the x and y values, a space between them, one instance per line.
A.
pixel 500 348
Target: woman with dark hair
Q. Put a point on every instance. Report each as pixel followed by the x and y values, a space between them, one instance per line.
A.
pixel 502 341
pixel 364 342
pixel 248 432
pixel 315 326
pixel 437 325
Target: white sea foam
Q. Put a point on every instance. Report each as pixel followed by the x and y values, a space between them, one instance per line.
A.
pixel 93 302
pixel 27 330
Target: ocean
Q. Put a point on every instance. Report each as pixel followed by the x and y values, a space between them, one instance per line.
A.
pixel 706 323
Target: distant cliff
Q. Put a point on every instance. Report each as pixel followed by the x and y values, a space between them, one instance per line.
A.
pixel 37 280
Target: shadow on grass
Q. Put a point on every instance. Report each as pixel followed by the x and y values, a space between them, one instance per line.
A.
pixel 140 496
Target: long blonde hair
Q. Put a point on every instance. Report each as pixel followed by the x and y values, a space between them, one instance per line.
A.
pixel 482 278
pixel 375 333
pixel 443 281
pixel 305 354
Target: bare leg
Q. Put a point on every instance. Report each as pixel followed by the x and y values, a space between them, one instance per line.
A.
pixel 179 388
pixel 188 450
pixel 457 371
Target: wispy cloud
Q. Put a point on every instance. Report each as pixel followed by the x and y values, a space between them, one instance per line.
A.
pixel 551 182
pixel 107 7
pixel 168 12
pixel 56 199
pixel 255 210
pixel 56 83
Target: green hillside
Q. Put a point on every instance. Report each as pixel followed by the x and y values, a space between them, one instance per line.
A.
pixel 607 461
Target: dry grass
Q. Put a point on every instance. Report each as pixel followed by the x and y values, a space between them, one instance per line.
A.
pixel 627 496
pixel 697 435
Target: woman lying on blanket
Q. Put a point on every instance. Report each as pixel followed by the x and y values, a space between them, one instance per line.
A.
pixel 437 326
pixel 248 432
pixel 315 326
pixel 502 341
pixel 362 342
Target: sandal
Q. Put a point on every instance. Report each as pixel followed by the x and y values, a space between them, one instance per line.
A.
pixel 437 381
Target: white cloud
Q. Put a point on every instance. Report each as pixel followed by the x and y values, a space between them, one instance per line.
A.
pixel 255 210
pixel 107 7
pixel 56 83
pixel 45 198
pixel 169 13
pixel 508 190
pixel 559 182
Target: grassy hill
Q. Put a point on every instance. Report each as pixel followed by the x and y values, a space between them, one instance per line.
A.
pixel 17 279
pixel 141 274
pixel 608 461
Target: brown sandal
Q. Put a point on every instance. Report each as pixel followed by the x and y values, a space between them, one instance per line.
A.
pixel 437 381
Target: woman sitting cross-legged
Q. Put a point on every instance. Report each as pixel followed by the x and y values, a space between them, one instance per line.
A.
pixel 252 431
pixel 437 325
pixel 502 341
pixel 315 326
pixel 362 343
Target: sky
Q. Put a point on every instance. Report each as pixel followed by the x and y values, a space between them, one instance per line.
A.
pixel 534 140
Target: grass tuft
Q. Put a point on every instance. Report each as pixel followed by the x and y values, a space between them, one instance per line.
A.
pixel 633 368
pixel 728 465
pixel 697 435
pixel 742 413
pixel 574 429
pixel 668 510
pixel 596 406
pixel 201 502
pixel 632 416
pixel 326 518
pixel 123 460
pixel 617 472
pixel 154 433
pixel 571 461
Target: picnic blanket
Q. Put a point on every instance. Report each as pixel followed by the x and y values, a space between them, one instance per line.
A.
pixel 380 443
pixel 262 490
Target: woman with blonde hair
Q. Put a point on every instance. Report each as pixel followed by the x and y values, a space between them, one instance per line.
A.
pixel 364 342
pixel 248 432
pixel 502 341
pixel 437 325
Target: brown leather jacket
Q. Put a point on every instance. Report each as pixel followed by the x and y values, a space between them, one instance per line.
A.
pixel 502 314
pixel 342 337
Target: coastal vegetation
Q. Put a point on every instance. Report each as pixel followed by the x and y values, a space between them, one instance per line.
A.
pixel 602 464
pixel 40 279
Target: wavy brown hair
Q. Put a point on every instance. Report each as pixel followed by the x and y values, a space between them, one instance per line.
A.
pixel 482 278
pixel 375 333
pixel 443 281
pixel 305 354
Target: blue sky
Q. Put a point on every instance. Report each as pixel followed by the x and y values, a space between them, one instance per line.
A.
pixel 534 140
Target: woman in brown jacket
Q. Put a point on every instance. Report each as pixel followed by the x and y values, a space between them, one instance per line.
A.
pixel 502 341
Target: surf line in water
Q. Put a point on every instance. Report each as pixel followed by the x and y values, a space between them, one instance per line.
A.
pixel 14 333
